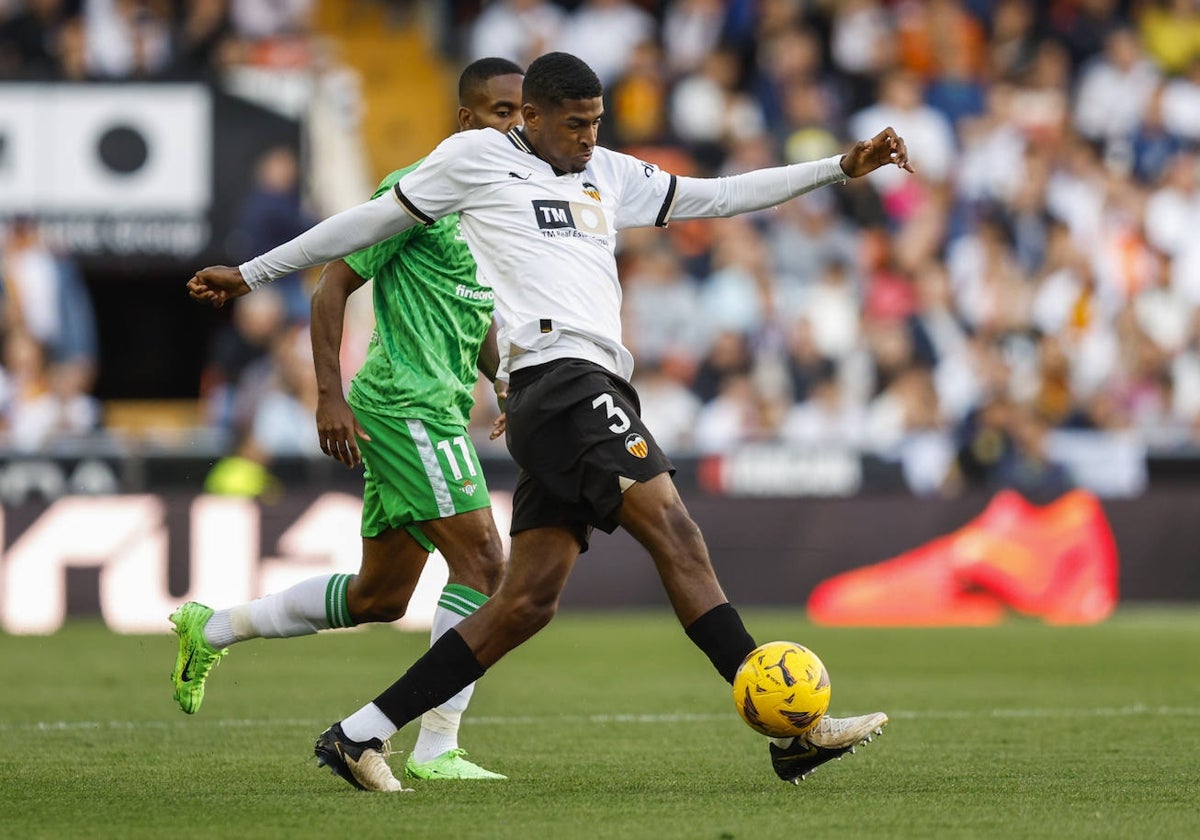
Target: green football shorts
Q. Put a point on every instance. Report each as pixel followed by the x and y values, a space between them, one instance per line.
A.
pixel 416 470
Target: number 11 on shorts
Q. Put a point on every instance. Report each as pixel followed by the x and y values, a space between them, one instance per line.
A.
pixel 447 448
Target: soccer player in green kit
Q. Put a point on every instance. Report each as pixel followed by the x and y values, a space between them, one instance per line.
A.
pixel 406 421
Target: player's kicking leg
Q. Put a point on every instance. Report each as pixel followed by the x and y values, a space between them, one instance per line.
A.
pixel 653 513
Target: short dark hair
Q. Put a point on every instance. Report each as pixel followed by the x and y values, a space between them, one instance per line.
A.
pixel 556 77
pixel 477 73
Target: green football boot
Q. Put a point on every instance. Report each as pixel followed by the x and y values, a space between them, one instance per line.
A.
pixel 451 764
pixel 196 656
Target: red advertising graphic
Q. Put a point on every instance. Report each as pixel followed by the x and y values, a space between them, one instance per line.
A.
pixel 1057 562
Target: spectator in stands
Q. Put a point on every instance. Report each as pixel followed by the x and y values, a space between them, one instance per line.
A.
pixel 691 29
pixel 45 296
pixel 1083 26
pixel 519 30
pixel 270 214
pixel 262 20
pixel 284 405
pixel 661 310
pixel 29 37
pixel 636 103
pixel 1115 89
pixel 740 414
pixel 1181 104
pixel 1170 31
pixel 1041 103
pixel 728 357
pixel 789 59
pixel 709 109
pixel 1151 145
pixel 932 35
pixel 807 237
pixel 256 325
pixel 983 441
pixel 44 402
pixel 825 418
pixel 669 408
pixel 806 362
pixel 201 28
pixel 1025 464
pixel 862 45
pixel 1013 42
pixel 604 34
pixel 127 38
pixel 740 295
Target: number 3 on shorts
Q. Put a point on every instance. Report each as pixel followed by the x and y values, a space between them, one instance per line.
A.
pixel 615 413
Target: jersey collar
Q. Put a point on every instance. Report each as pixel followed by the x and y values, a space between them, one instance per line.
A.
pixel 517 137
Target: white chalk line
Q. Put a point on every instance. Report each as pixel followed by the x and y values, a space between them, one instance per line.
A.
pixel 542 720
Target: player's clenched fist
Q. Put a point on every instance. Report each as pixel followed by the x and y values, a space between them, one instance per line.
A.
pixel 217 284
pixel 868 155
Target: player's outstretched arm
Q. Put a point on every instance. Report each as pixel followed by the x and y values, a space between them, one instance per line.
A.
pixel 701 198
pixel 868 155
pixel 351 230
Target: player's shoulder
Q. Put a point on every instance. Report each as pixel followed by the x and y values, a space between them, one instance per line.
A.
pixel 395 175
pixel 470 144
pixel 621 163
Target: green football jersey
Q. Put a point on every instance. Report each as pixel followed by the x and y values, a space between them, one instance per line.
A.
pixel 431 316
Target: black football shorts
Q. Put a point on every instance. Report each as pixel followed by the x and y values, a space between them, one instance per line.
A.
pixel 574 430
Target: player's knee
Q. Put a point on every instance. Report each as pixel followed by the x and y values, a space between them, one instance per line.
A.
pixel 479 565
pixel 680 531
pixel 528 613
pixel 372 607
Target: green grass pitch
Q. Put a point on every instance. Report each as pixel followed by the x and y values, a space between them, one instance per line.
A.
pixel 611 725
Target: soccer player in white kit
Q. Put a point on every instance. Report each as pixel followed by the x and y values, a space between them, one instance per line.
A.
pixel 540 207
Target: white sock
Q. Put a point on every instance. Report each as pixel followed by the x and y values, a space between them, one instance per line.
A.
pixel 439 727
pixel 367 723
pixel 318 603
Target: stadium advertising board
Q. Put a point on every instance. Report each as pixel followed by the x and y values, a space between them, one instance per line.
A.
pixel 118 171
pixel 136 557
pixel 132 558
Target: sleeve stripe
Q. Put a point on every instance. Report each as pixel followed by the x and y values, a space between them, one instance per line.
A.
pixel 664 215
pixel 411 208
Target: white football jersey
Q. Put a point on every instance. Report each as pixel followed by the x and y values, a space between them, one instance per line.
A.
pixel 544 242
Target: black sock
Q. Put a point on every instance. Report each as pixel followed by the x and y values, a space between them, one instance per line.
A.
pixel 448 667
pixel 723 638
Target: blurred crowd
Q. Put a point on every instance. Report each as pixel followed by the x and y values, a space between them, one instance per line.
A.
pixel 48 331
pixel 112 40
pixel 48 343
pixel 1039 272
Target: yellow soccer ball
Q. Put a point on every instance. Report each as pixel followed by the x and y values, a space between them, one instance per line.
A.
pixel 781 689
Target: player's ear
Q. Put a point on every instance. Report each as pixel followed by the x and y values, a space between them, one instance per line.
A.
pixel 529 113
pixel 466 119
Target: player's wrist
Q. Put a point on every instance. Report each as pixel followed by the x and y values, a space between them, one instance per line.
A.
pixel 253 274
